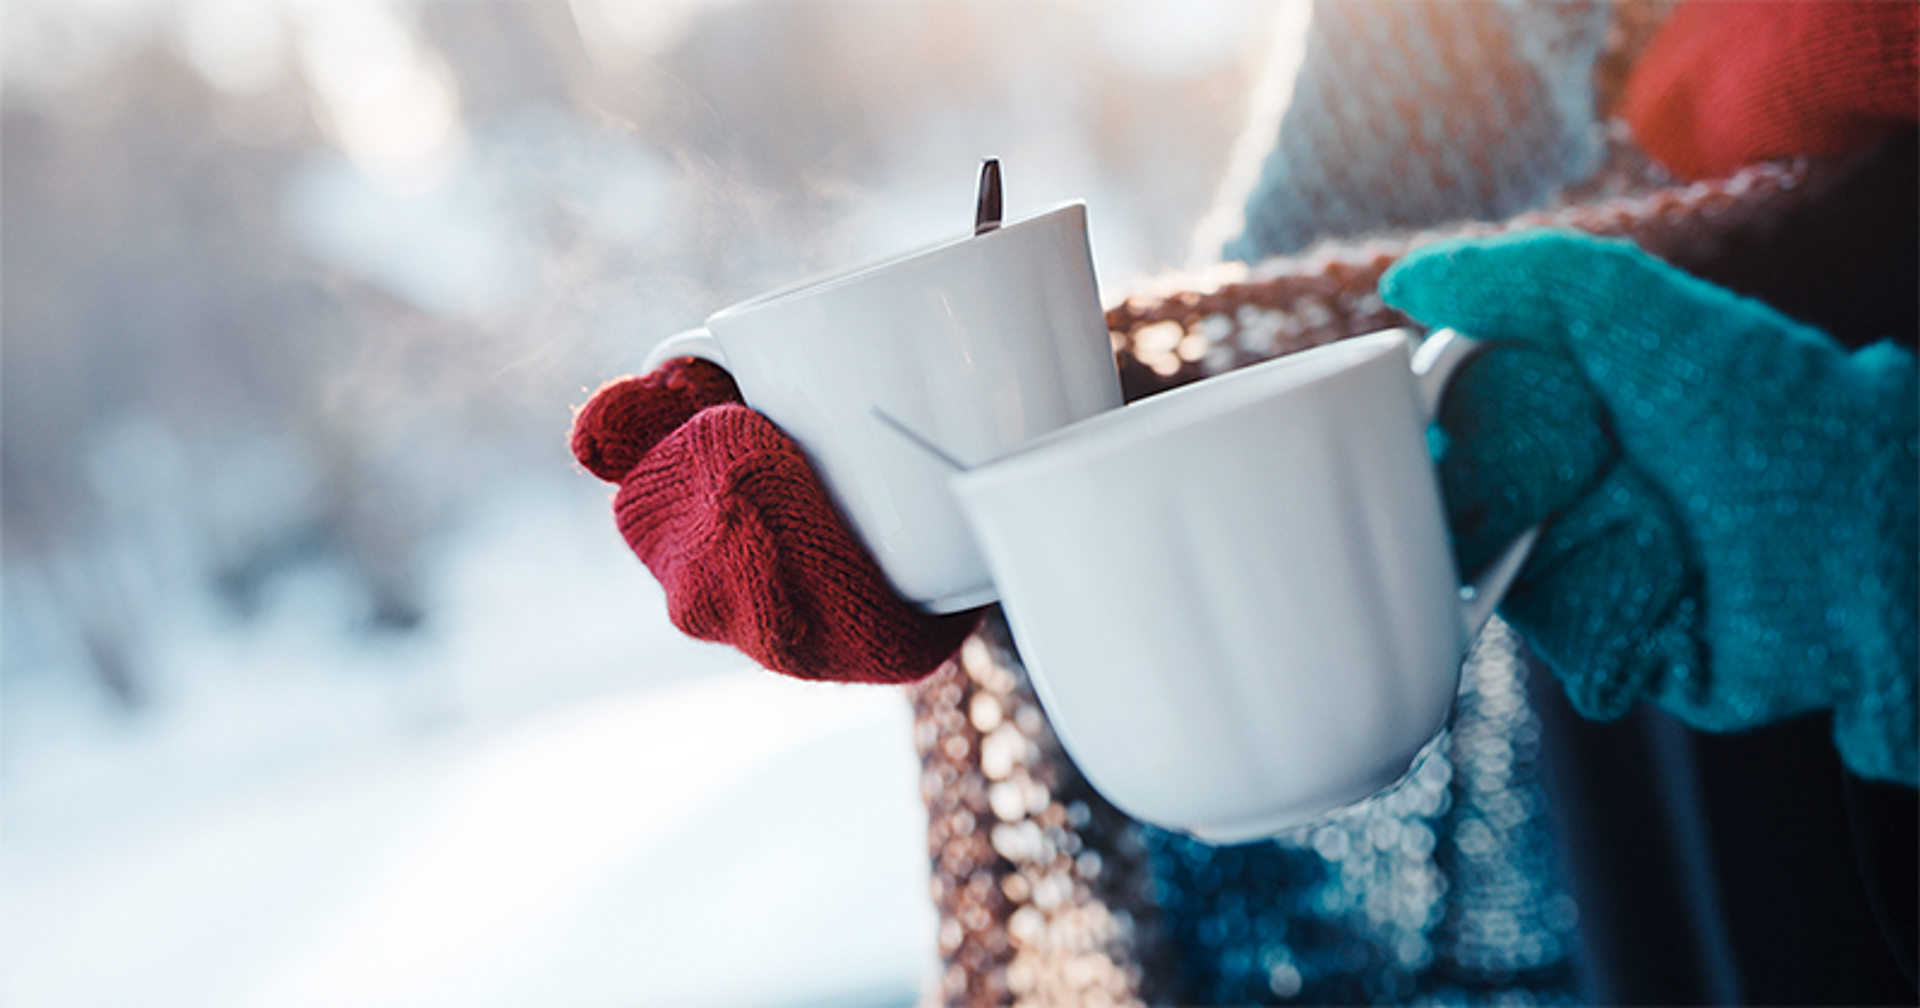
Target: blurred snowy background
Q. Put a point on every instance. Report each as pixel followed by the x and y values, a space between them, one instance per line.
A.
pixel 326 678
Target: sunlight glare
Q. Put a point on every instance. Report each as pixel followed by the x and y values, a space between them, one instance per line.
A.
pixel 239 46
pixel 393 108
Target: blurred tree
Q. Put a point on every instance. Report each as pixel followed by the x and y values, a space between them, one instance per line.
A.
pixel 149 285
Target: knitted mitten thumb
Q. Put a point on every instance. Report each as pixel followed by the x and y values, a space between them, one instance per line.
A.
pixel 1752 550
pixel 1724 85
pixel 726 512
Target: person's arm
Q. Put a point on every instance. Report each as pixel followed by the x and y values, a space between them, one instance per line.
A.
pixel 1742 547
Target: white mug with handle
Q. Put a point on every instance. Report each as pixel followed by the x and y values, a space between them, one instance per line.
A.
pixel 1237 600
pixel 974 346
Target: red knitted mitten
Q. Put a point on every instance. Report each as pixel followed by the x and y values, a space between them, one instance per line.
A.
pixel 727 513
pixel 1723 85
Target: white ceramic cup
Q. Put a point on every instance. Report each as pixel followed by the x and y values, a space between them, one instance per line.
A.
pixel 970 347
pixel 1237 600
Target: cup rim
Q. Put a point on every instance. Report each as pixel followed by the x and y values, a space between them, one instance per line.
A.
pixel 830 279
pixel 1189 405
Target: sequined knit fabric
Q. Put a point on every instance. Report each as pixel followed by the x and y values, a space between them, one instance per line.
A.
pixel 1442 891
pixel 1188 326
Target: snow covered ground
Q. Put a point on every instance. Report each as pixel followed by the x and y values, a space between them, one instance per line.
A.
pixel 604 814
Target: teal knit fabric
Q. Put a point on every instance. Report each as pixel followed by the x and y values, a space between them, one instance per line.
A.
pixel 1732 501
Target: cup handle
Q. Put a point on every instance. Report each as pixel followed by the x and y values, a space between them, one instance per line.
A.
pixel 1435 361
pixel 696 342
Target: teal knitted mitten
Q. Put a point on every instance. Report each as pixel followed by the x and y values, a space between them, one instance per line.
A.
pixel 1731 501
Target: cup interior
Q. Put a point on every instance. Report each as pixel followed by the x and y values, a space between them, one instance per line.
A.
pixel 1197 403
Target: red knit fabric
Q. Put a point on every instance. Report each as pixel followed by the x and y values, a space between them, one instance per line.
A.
pixel 628 416
pixel 1723 84
pixel 727 513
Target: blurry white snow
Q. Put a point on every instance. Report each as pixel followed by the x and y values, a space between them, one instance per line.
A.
pixel 607 813
pixel 449 249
